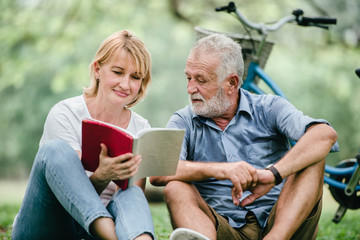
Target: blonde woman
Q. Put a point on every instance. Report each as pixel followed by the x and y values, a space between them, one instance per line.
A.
pixel 62 201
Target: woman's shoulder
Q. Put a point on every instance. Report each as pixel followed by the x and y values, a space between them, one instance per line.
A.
pixel 138 119
pixel 72 101
pixel 69 102
pixel 74 104
pixel 137 123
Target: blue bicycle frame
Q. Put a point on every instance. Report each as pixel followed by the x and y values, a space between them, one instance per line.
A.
pixel 254 70
pixel 249 84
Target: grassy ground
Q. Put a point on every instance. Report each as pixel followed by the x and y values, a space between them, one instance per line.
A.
pixel 348 229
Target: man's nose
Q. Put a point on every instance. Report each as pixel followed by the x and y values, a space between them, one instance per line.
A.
pixel 191 86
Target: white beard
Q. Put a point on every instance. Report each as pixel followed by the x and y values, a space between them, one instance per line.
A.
pixel 216 106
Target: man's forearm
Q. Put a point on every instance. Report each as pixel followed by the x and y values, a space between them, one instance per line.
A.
pixel 187 171
pixel 313 147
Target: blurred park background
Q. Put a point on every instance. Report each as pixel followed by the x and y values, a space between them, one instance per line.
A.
pixel 46 47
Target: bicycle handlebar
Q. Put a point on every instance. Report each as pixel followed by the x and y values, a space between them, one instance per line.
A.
pixel 297 15
pixel 309 21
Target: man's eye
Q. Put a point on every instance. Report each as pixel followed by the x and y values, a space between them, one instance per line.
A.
pixel 200 80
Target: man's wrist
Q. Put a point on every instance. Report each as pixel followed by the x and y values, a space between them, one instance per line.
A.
pixel 275 172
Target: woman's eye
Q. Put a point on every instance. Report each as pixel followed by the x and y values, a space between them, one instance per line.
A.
pixel 136 77
pixel 116 72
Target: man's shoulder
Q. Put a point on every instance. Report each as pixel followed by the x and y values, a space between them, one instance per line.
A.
pixel 259 97
pixel 263 100
pixel 185 112
pixel 182 117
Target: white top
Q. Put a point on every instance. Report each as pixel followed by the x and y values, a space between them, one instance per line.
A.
pixel 64 122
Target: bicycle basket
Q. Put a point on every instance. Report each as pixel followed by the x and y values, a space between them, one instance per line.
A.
pixel 248 45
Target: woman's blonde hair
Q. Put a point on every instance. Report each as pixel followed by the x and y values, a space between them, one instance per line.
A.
pixel 112 45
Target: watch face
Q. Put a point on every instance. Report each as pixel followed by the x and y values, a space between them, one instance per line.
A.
pixel 268 166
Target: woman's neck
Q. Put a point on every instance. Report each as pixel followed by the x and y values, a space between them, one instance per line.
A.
pixel 117 115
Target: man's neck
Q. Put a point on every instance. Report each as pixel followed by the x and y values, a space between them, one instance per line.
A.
pixel 223 120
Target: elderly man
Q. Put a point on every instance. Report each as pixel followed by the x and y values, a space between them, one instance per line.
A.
pixel 238 177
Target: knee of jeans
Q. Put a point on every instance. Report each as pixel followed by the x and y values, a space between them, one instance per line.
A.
pixel 131 191
pixel 56 147
pixel 135 190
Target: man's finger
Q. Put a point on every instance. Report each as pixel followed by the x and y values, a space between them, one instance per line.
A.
pixel 249 199
pixel 236 195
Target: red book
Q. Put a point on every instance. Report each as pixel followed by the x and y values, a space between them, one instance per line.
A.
pixel 93 134
pixel 158 147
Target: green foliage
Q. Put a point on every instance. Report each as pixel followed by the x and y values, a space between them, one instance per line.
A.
pixel 45 52
pixel 46 47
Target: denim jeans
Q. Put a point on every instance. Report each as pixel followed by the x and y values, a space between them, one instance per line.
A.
pixel 60 201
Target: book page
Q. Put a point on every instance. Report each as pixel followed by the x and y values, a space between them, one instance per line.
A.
pixel 160 151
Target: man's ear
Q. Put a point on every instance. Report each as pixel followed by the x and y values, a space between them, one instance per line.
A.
pixel 233 81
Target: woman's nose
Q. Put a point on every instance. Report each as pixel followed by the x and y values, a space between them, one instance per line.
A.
pixel 124 82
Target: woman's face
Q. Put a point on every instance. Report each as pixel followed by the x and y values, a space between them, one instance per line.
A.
pixel 119 82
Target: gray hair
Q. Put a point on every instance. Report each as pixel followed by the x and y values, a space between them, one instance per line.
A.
pixel 229 51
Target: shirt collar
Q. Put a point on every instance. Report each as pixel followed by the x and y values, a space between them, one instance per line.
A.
pixel 244 104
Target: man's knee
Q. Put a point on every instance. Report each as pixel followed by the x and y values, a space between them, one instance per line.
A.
pixel 174 189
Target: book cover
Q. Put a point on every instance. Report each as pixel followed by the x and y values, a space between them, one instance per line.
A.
pixel 117 141
pixel 159 148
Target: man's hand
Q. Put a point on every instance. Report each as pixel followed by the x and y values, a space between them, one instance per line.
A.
pixel 266 181
pixel 241 174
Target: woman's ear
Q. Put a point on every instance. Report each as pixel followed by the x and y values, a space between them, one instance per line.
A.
pixel 97 69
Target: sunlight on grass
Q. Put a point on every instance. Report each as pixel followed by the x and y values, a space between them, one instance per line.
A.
pixel 12 193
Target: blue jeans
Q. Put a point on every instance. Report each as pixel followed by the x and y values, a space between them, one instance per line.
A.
pixel 60 201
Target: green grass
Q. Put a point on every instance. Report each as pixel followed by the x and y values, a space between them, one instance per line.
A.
pixel 347 229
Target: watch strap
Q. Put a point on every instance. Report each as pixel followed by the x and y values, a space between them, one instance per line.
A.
pixel 278 178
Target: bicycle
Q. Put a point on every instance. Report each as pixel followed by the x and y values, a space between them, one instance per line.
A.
pixel 343 179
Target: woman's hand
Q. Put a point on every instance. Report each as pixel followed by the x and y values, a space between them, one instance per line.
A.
pixel 115 168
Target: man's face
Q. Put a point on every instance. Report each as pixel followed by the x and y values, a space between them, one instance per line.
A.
pixel 207 96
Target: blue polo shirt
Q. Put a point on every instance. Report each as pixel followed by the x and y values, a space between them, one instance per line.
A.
pixel 259 134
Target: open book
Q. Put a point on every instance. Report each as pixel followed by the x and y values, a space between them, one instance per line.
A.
pixel 159 148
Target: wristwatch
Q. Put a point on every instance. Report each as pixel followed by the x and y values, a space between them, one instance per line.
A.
pixel 278 178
